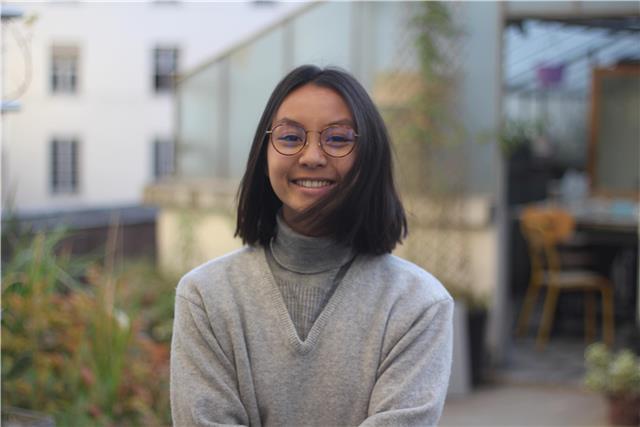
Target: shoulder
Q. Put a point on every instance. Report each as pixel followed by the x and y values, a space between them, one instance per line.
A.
pixel 410 301
pixel 220 275
pixel 403 279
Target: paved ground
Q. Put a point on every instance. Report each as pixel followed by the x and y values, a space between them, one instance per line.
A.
pixel 532 389
pixel 526 405
pixel 561 362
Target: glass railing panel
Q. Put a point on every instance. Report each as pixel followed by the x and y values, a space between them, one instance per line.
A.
pixel 322 36
pixel 257 68
pixel 199 124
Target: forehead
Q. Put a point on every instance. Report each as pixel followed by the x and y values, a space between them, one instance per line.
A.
pixel 312 104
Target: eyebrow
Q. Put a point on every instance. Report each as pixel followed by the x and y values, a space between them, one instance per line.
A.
pixel 286 120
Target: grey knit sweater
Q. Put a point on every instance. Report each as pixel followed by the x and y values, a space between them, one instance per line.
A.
pixel 378 354
pixel 307 270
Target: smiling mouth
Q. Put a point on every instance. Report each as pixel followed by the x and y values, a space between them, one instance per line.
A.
pixel 312 183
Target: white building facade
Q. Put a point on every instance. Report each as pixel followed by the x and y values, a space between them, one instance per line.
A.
pixel 94 82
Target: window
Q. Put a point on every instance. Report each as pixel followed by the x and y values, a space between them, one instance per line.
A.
pixel 165 68
pixel 163 158
pixel 64 166
pixel 64 69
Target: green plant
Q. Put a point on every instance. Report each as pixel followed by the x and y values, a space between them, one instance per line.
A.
pixel 612 374
pixel 422 110
pixel 39 327
pixel 434 121
pixel 86 343
pixel 149 296
pixel 425 124
pixel 516 133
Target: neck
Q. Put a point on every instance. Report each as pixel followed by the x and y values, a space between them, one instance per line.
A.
pixel 300 226
pixel 302 253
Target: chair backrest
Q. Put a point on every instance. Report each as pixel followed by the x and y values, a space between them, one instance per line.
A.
pixel 544 228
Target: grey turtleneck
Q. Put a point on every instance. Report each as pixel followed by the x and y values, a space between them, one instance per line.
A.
pixel 307 271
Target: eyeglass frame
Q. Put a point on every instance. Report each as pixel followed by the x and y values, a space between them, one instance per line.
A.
pixel 306 139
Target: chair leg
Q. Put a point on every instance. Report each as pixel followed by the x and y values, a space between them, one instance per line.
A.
pixel 527 307
pixel 589 317
pixel 548 312
pixel 608 318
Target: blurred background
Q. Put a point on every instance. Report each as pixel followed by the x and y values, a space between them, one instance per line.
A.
pixel 516 131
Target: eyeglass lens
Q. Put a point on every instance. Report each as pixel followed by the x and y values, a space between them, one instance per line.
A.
pixel 336 141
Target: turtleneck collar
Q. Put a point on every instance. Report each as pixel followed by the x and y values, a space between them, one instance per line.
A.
pixel 303 254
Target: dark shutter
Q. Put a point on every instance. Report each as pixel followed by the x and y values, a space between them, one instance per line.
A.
pixel 54 165
pixel 156 159
pixel 74 165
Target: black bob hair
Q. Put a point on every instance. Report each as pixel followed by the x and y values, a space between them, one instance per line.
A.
pixel 364 210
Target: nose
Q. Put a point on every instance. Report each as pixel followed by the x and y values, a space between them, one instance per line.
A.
pixel 312 155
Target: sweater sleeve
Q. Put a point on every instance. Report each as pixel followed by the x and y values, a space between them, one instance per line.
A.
pixel 413 377
pixel 203 383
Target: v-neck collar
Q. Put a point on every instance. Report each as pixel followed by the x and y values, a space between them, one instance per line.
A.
pixel 287 326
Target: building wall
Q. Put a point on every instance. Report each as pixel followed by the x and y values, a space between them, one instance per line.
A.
pixel 115 114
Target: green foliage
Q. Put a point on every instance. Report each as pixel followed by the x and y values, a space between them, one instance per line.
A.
pixel 434 119
pixel 84 343
pixel 518 133
pixel 422 110
pixel 613 374
pixel 423 115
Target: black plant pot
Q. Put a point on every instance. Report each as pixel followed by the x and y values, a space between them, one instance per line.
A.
pixel 477 325
pixel 527 176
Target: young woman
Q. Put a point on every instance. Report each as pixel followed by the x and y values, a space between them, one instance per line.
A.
pixel 313 322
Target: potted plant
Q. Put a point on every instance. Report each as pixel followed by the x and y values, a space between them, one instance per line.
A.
pixel 518 135
pixel 477 311
pixel 617 376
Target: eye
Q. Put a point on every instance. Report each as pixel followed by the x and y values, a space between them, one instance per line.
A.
pixel 337 139
pixel 289 140
pixel 291 137
pixel 288 136
pixel 339 136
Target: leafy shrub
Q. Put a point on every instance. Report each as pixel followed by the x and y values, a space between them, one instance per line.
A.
pixel 82 342
pixel 612 374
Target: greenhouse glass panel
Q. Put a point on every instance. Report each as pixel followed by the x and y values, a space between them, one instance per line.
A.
pixel 395 35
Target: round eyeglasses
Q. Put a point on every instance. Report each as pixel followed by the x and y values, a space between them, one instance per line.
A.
pixel 335 141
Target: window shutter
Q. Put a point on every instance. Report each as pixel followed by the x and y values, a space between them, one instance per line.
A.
pixel 54 165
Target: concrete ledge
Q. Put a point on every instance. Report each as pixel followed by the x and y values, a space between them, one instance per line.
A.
pixel 202 194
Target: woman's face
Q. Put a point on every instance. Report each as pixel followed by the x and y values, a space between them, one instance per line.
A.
pixel 300 180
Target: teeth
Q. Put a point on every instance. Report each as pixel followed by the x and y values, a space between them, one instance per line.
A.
pixel 312 183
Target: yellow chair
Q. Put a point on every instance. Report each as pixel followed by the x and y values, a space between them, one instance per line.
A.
pixel 544 229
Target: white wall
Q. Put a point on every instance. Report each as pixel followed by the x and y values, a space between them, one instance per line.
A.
pixel 116 114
